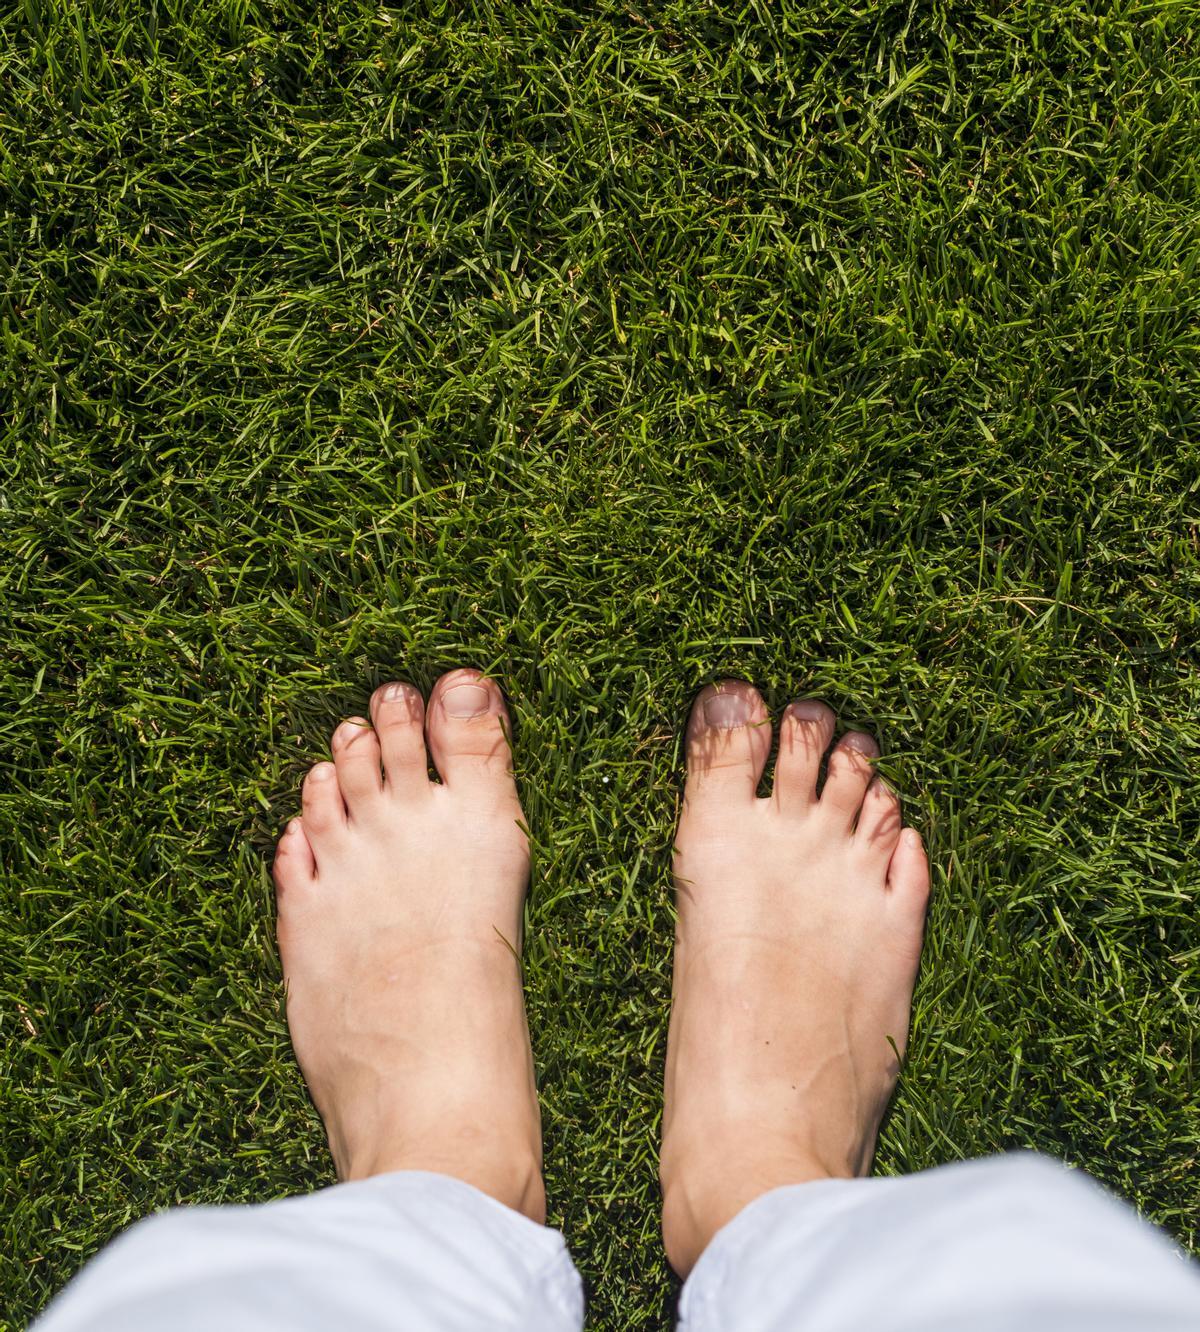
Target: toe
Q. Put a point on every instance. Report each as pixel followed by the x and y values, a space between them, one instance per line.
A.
pixel 879 824
pixel 468 731
pixel 355 750
pixel 804 736
pixel 294 860
pixel 728 740
pixel 908 874
pixel 850 773
pixel 398 711
pixel 321 801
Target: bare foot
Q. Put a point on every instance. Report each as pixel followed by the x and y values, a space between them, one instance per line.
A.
pixel 800 921
pixel 399 928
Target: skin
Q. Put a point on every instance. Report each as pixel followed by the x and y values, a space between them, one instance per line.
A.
pixel 399 919
pixel 800 920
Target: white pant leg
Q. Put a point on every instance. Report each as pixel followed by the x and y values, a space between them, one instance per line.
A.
pixel 406 1252
pixel 1015 1243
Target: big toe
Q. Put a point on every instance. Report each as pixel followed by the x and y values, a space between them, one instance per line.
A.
pixel 468 730
pixel 728 740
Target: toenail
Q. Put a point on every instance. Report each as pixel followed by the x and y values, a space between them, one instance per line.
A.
pixel 466 700
pixel 859 740
pixel 322 772
pixel 808 710
pixel 727 711
pixel 402 701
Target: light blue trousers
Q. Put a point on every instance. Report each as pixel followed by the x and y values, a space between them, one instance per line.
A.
pixel 1013 1243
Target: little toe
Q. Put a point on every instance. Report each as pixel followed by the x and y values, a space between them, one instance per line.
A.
pixel 849 774
pixel 294 860
pixel 322 804
pixel 879 822
pixel 355 749
pixel 468 730
pixel 728 740
pixel 908 878
pixel 398 711
pixel 804 736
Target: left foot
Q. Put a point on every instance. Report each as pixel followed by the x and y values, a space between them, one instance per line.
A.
pixel 400 906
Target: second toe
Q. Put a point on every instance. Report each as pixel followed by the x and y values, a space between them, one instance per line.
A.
pixel 804 736
pixel 398 711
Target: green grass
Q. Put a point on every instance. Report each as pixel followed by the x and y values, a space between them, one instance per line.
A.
pixel 851 348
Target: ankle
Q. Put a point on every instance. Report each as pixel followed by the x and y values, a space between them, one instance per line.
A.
pixel 703 1191
pixel 510 1175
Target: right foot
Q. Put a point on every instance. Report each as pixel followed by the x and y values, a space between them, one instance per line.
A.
pixel 399 928
pixel 800 918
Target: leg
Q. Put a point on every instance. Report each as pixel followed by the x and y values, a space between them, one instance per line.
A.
pixel 422 1252
pixel 1007 1242
pixel 400 903
pixel 800 920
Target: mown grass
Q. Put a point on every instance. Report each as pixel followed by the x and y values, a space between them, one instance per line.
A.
pixel 851 348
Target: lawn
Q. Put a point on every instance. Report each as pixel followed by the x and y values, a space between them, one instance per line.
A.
pixel 850 348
